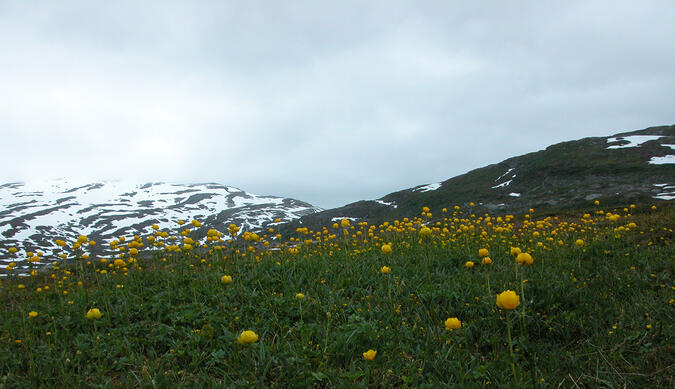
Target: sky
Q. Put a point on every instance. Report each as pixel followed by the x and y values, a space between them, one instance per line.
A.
pixel 325 102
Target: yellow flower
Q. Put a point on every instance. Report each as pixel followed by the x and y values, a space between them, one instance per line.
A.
pixel 226 279
pixel 299 296
pixel 596 202
pixel 452 323
pixel 579 242
pixel 13 250
pixel 133 252
pixel 93 314
pixel 386 249
pixel 468 264
pixel 32 314
pixel 385 270
pixel 196 223
pixel 82 239
pixel 247 337
pixel 155 227
pixel 508 300
pixel 369 355
pixel 119 263
pixel 486 261
pixel 425 231
pixel 515 250
pixel 344 223
pixel 524 259
pixel 483 252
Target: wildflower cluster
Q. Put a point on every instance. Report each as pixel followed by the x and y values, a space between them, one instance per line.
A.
pixel 443 298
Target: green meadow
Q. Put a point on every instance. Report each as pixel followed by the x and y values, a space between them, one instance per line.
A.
pixel 354 305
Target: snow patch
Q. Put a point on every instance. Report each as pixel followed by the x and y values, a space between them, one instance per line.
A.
pixel 667 192
pixel 503 184
pixel 633 140
pixel 507 172
pixel 662 160
pixel 337 219
pixel 513 194
pixel 427 188
pixel 386 203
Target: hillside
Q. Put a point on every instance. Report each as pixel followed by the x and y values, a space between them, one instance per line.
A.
pixel 478 302
pixel 629 167
pixel 34 215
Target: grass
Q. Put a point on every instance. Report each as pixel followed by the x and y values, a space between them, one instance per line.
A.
pixel 596 315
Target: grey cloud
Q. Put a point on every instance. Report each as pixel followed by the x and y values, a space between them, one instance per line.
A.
pixel 325 102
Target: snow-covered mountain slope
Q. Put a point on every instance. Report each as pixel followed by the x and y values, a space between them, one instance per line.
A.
pixel 35 214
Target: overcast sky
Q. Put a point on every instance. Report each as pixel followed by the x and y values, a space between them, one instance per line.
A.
pixel 326 102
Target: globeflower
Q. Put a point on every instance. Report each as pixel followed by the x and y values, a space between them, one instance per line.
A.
pixel 386 249
pixel 299 296
pixel 452 323
pixel 425 231
pixel 524 259
pixel 32 314
pixel 385 270
pixel 93 314
pixel 483 253
pixel 226 279
pixel 508 299
pixel 515 250
pixel 486 261
pixel 369 355
pixel 468 264
pixel 579 242
pixel 344 223
pixel 247 337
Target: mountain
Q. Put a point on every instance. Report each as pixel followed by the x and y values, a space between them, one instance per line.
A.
pixel 630 167
pixel 34 214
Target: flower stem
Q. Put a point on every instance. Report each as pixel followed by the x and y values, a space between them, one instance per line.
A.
pixel 513 366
